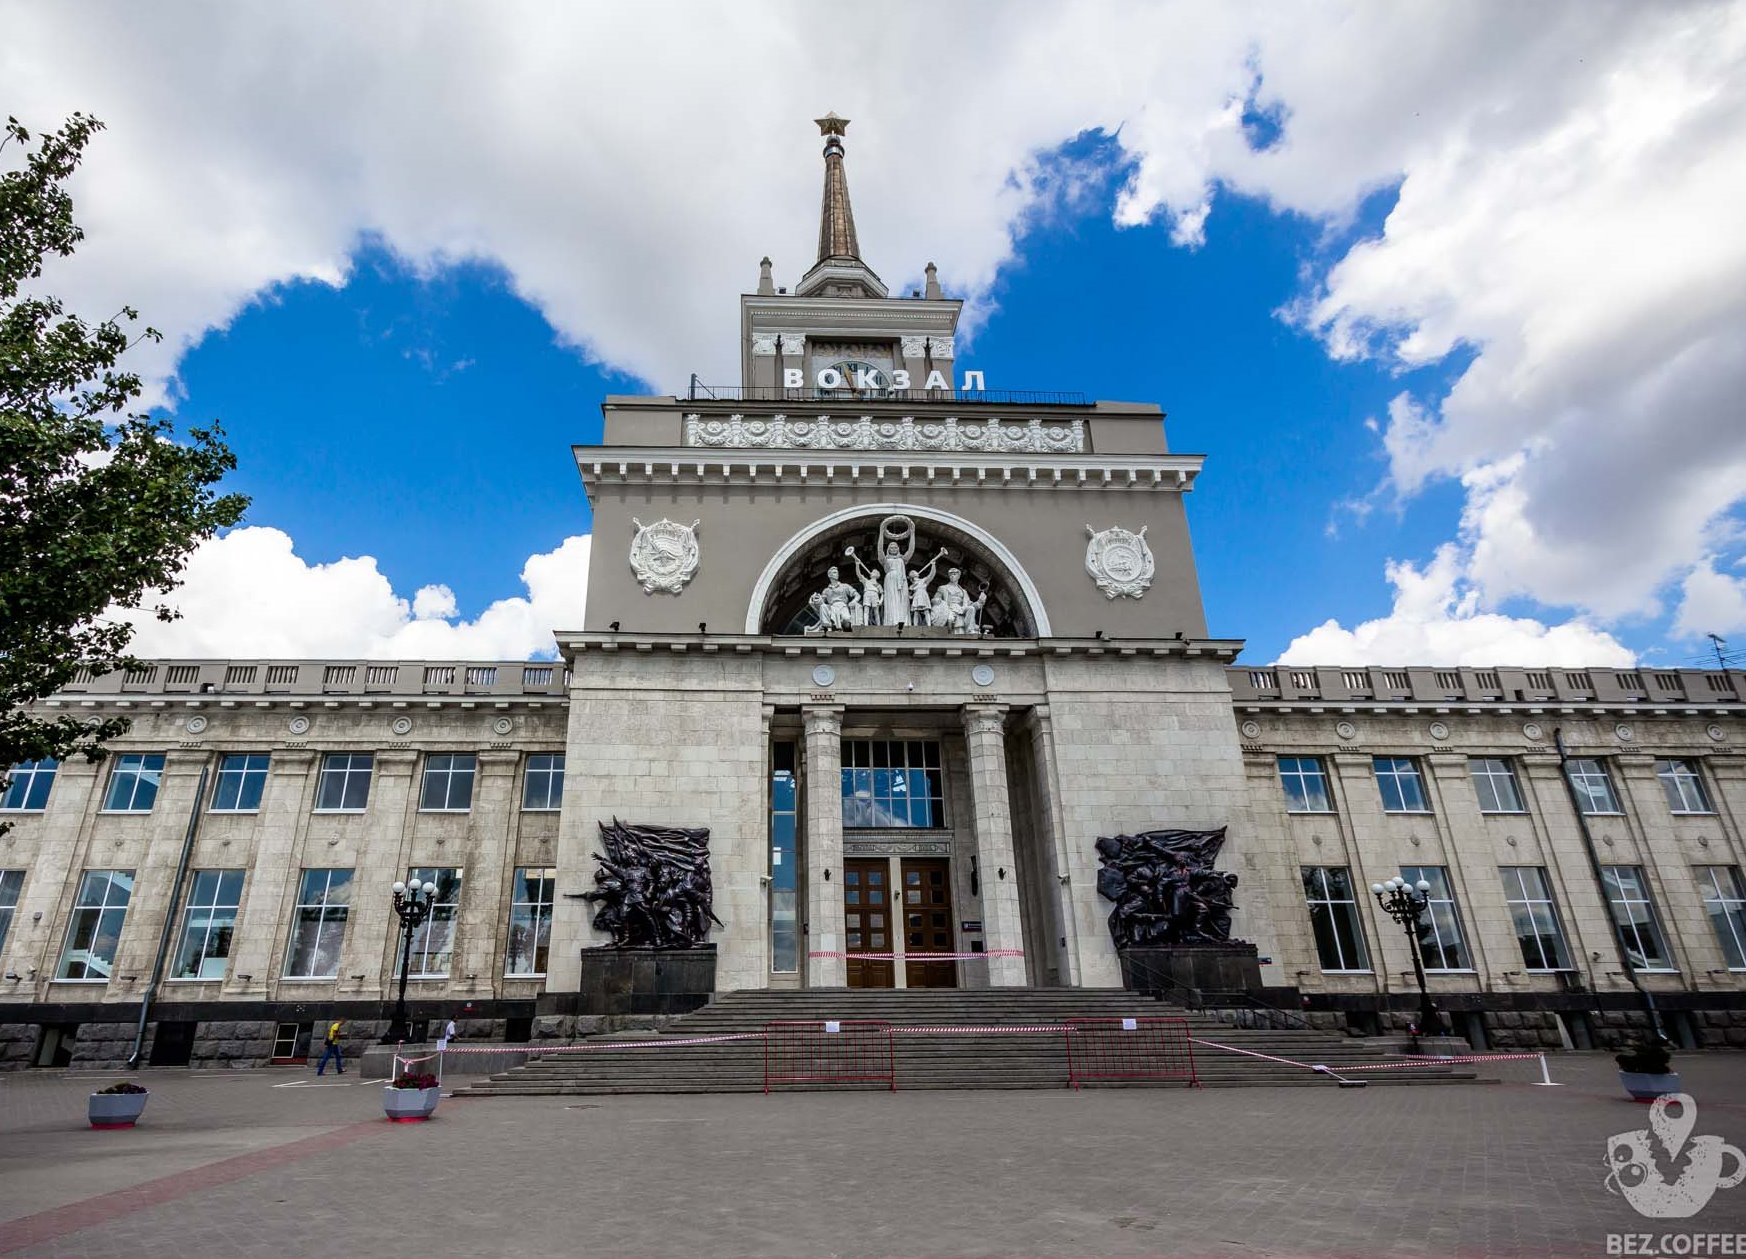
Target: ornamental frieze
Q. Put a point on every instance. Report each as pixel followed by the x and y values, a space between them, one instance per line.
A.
pixel 825 432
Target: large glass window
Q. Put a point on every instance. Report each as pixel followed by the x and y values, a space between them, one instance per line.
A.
pixel 29 789
pixel 530 921
pixel 208 925
pixel 1725 901
pixel 318 929
pixel 133 783
pixel 95 927
pixel 1594 789
pixel 784 868
pixel 433 941
pixel 345 782
pixel 242 779
pixel 448 783
pixel 1441 943
pixel 893 783
pixel 1634 918
pixel 1684 788
pixel 11 885
pixel 1401 785
pixel 1494 782
pixel 543 785
pixel 1528 894
pixel 1306 785
pixel 1334 918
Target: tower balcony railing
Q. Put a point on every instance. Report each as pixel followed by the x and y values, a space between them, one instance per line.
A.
pixel 699 392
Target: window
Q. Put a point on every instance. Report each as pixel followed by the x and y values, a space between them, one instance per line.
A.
pixel 1440 940
pixel 1401 785
pixel 543 785
pixel 345 782
pixel 242 778
pixel 133 783
pixel 29 790
pixel 433 940
pixel 530 921
pixel 319 926
pixel 95 927
pixel 784 869
pixel 208 924
pixel 1594 790
pixel 1685 790
pixel 1494 782
pixel 1634 917
pixel 1306 785
pixel 1529 897
pixel 1725 901
pixel 1334 918
pixel 448 783
pixel 893 783
pixel 11 884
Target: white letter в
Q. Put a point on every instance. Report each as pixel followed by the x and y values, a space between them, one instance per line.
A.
pixel 793 378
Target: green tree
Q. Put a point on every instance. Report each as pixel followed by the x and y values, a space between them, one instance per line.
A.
pixel 98 506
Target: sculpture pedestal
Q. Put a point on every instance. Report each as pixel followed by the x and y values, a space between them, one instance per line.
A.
pixel 645 980
pixel 1232 967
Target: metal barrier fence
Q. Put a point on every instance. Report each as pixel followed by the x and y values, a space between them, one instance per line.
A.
pixel 1130 1049
pixel 846 1051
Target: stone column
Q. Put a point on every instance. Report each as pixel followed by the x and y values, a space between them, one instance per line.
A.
pixel 1052 828
pixel 985 738
pixel 823 849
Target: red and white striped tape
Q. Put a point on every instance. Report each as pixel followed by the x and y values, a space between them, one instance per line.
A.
pixel 919 957
pixel 532 1048
pixel 1438 1059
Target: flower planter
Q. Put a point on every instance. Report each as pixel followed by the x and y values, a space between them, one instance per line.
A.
pixel 116 1110
pixel 1646 1087
pixel 410 1105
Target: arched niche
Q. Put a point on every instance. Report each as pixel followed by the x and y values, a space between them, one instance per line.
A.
pixel 801 566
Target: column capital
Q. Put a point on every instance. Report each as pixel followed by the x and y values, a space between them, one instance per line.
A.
pixel 985 718
pixel 823 719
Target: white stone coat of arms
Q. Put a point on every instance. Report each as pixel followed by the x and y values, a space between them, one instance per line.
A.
pixel 664 555
pixel 1119 562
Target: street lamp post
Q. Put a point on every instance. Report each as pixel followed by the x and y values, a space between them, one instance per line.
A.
pixel 1406 904
pixel 412 905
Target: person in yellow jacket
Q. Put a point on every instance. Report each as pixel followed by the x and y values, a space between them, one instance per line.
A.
pixel 332 1050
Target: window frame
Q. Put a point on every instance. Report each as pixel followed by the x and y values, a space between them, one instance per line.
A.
pixel 141 773
pixel 540 917
pixel 1505 772
pixel 1732 915
pixel 1399 771
pixel 1529 903
pixel 450 773
pixel 1320 775
pixel 1355 920
pixel 422 952
pixel 11 892
pixel 554 781
pixel 242 775
pixel 323 918
pixel 25 777
pixel 1676 774
pixel 345 775
pixel 215 903
pixel 1647 900
pixel 1585 794
pixel 861 777
pixel 1438 878
pixel 98 911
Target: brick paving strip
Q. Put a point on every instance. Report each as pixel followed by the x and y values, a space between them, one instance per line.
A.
pixel 44 1226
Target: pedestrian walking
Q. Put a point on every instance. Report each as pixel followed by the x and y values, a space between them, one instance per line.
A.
pixel 332 1050
pixel 448 1035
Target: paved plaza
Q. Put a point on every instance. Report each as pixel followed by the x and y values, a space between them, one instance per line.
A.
pixel 274 1162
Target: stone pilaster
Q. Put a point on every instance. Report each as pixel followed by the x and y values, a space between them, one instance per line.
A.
pixel 822 854
pixel 1057 861
pixel 990 804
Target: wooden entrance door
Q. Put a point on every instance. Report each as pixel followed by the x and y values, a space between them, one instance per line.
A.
pixel 927 924
pixel 867 922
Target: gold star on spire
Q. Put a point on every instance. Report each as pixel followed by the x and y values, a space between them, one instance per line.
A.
pixel 831 125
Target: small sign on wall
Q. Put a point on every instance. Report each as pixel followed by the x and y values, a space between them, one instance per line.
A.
pixel 970 924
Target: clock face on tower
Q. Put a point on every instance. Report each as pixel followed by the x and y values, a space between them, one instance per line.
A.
pixel 853 370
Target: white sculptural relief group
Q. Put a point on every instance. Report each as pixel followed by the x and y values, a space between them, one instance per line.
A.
pixel 895 594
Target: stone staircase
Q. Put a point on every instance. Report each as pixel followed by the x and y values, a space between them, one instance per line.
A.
pixel 934 1060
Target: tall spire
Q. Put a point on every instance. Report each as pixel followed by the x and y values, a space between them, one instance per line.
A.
pixel 836 226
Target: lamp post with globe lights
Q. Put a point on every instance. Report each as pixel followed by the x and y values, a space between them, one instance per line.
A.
pixel 412 905
pixel 1407 903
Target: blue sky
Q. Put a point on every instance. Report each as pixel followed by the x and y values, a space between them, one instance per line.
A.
pixel 1452 297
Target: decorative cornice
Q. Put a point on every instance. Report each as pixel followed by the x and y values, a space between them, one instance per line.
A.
pixel 989 436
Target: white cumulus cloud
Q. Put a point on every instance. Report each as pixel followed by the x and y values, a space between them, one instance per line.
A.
pixel 249 595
